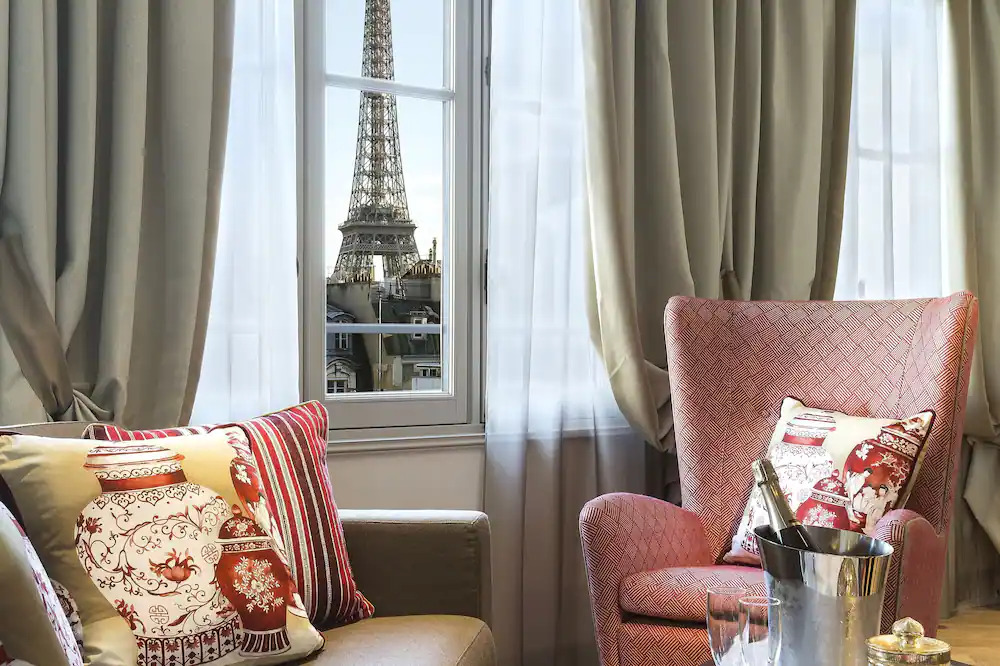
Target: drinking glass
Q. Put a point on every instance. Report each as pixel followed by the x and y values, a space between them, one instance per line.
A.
pixel 723 615
pixel 760 630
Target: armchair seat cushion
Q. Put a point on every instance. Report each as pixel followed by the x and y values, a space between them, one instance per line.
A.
pixel 678 593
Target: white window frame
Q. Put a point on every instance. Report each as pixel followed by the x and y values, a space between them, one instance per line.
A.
pixel 458 411
pixel 418 335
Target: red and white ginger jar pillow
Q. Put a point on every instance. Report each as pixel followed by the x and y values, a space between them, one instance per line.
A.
pixel 164 546
pixel 836 470
pixel 289 451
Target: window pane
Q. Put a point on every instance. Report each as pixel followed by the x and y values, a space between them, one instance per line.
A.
pixel 902 91
pixel 869 73
pixel 902 232
pixel 871 231
pixel 386 212
pixel 915 58
pixel 417 37
pixel 916 224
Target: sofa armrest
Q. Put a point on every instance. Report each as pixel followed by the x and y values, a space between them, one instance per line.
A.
pixel 916 570
pixel 421 562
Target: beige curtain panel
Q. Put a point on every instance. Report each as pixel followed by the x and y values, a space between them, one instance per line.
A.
pixel 112 135
pixel 716 137
pixel 975 241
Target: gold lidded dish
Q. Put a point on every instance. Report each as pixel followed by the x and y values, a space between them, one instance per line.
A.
pixel 907 645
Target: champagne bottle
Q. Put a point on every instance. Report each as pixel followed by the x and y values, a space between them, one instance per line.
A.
pixel 787 529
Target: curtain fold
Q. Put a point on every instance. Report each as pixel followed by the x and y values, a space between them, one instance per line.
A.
pixel 716 149
pixel 112 132
pixel 555 438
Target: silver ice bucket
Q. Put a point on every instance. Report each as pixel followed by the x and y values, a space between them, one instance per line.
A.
pixel 830 603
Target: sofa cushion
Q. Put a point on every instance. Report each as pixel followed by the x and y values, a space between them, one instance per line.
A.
pixel 679 593
pixel 414 640
pixel 289 447
pixel 164 545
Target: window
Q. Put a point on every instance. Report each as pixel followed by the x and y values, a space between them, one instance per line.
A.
pixel 418 321
pixel 427 375
pixel 394 170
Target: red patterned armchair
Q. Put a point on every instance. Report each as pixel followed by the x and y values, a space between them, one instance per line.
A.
pixel 731 363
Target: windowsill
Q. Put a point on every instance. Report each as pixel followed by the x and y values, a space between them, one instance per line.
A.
pixel 364 440
pixel 422 438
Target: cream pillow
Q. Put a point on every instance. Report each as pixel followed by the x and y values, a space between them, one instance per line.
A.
pixel 169 561
pixel 836 470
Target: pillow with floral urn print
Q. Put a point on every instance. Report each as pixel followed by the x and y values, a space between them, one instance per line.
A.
pixel 289 447
pixel 836 470
pixel 165 545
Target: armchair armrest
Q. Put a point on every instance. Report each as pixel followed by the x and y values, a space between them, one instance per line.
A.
pixel 623 534
pixel 421 562
pixel 916 569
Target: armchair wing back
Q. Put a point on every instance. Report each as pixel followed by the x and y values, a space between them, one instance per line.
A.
pixel 732 362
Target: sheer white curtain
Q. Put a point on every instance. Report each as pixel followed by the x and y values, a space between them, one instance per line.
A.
pixel 555 437
pixel 893 240
pixel 251 363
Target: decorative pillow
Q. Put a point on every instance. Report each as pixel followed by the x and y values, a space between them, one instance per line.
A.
pixel 289 448
pixel 33 626
pixel 164 547
pixel 71 611
pixel 836 470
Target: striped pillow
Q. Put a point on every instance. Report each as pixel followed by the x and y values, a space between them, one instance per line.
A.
pixel 290 450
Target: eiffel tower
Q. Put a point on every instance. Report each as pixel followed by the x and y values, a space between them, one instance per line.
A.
pixel 378 218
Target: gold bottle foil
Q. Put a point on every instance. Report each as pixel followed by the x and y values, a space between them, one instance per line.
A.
pixel 907 645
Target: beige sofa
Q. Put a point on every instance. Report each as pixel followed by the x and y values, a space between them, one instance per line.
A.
pixel 427 572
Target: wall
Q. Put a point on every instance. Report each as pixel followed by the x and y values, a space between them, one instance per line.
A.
pixel 426 478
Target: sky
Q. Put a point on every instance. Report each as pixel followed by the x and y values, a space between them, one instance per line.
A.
pixel 418 50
